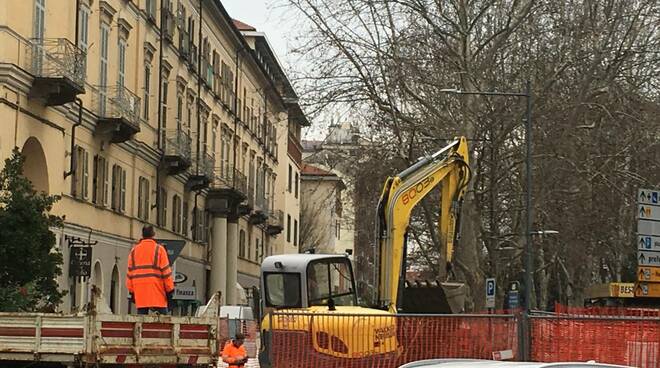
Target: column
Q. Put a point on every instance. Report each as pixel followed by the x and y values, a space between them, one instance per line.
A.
pixel 232 261
pixel 218 279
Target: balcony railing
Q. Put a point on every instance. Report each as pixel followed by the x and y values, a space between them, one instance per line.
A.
pixel 224 176
pixel 262 203
pixel 276 218
pixel 117 102
pixel 250 196
pixel 55 58
pixel 204 166
pixel 177 144
pixel 240 182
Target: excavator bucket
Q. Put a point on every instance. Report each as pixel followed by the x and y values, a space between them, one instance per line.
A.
pixel 434 297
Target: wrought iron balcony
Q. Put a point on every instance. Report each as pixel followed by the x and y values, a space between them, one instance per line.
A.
pixel 169 24
pixel 118 111
pixel 227 191
pixel 260 215
pixel 275 222
pixel 176 151
pixel 58 67
pixel 201 171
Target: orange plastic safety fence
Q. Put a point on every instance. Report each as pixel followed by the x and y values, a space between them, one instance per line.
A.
pixel 393 340
pixel 630 341
pixel 608 311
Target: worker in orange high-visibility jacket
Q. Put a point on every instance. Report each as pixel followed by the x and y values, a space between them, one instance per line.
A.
pixel 149 279
pixel 234 352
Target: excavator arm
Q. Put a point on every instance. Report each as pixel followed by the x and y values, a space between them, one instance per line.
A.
pixel 449 168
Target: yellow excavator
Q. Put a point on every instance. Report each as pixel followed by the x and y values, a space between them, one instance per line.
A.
pixel 317 292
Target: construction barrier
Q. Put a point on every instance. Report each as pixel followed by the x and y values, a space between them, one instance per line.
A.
pixel 633 341
pixel 626 336
pixel 324 340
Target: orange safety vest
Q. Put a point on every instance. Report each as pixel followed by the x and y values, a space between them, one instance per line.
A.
pixel 149 276
pixel 231 354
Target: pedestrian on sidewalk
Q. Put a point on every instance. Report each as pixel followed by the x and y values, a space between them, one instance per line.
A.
pixel 149 278
pixel 234 352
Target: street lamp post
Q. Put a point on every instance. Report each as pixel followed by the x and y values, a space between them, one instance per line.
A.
pixel 528 260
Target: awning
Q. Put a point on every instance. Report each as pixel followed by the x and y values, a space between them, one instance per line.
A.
pixel 247 281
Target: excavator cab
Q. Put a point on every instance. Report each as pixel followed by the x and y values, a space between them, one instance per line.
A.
pixel 315 281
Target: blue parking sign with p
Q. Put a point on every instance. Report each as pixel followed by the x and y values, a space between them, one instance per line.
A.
pixel 490 287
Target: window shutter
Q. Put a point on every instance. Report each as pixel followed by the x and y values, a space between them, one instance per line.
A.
pixel 147 200
pixel 140 213
pixel 95 179
pixel 85 174
pixel 122 201
pixel 106 175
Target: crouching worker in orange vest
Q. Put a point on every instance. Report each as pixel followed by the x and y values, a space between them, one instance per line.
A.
pixel 149 279
pixel 234 352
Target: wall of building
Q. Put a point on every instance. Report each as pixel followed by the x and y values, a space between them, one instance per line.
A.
pixel 235 135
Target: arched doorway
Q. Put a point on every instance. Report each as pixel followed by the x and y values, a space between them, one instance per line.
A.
pixel 35 167
pixel 114 290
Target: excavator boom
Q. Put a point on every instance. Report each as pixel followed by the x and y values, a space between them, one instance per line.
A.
pixel 448 168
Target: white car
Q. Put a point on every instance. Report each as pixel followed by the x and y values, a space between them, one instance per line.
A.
pixel 472 363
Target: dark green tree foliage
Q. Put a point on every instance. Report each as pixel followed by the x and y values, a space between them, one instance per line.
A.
pixel 29 260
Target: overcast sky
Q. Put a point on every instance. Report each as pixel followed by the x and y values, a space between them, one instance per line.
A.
pixel 265 17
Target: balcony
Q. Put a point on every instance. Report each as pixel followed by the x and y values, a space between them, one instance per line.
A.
pixel 201 172
pixel 250 197
pixel 117 110
pixel 260 214
pixel 227 190
pixel 184 44
pixel 169 25
pixel 58 67
pixel 275 222
pixel 177 155
pixel 295 150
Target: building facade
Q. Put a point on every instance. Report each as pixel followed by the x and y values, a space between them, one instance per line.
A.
pixel 321 211
pixel 149 111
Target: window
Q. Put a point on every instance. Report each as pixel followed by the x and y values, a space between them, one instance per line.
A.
pixel 184 227
pixel 288 187
pixel 100 181
pixel 199 224
pixel 295 233
pixel 147 91
pixel 259 249
pixel 103 69
pixel 143 199
pixel 249 247
pixel 330 279
pixel 283 290
pixel 241 245
pixel 163 116
pixel 162 208
pixel 176 214
pixel 151 9
pixel 296 185
pixel 81 175
pixel 122 62
pixel 338 229
pixel 118 189
pixel 288 228
pixel 179 112
pixel 83 33
pixel 39 18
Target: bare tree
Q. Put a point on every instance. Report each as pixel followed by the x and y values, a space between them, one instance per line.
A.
pixel 594 69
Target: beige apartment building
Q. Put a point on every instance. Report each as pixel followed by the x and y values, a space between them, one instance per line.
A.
pixel 150 111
